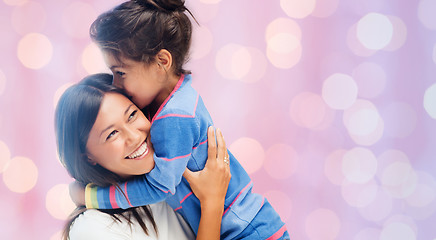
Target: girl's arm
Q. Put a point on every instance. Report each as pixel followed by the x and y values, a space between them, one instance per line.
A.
pixel 210 186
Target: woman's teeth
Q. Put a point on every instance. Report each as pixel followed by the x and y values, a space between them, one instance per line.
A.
pixel 141 151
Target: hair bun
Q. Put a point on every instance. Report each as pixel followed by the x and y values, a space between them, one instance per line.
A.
pixel 163 5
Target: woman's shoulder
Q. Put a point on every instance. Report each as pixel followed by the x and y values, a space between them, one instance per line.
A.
pixel 94 224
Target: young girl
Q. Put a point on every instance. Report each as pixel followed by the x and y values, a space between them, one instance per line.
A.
pixel 86 115
pixel 145 44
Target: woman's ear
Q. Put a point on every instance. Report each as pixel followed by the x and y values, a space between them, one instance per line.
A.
pixel 92 162
pixel 164 59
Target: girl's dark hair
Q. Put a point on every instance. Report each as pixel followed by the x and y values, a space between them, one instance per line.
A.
pixel 139 29
pixel 75 115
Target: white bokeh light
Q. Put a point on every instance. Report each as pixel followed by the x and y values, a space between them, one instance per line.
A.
pixel 20 174
pixel 29 17
pixel 58 202
pixel 399 179
pixel 429 101
pixel 379 209
pixel 283 38
pixel 359 195
pixel 339 91
pixel 359 165
pixel 374 31
pixel 333 167
pixel 399 34
pixel 363 122
pixel 397 231
pixel 297 8
pixel 309 110
pixel 35 50
pixel 426 14
pixel 325 8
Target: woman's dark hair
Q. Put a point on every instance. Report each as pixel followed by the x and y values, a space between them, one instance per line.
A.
pixel 76 112
pixel 139 29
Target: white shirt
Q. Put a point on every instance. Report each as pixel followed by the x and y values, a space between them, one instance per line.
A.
pixel 94 224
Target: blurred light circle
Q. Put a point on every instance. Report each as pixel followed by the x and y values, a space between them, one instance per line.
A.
pixel 399 35
pixel 283 26
pixel 425 191
pixel 202 40
pixel 355 45
pixel 426 13
pixel 363 122
pixel 397 231
pixel 333 167
pixel 359 165
pixel 15 2
pixel 58 202
pixel 370 79
pixel 322 224
pixel 92 60
pixel 308 110
pixel 339 91
pixel 430 100
pixel 281 203
pixel 249 153
pixel 5 155
pixel 35 50
pixel 28 17
pixel 283 38
pixel 399 179
pixel 258 66
pixel 379 209
pixel 281 161
pixel 389 157
pixel 296 8
pixel 20 175
pixel 233 61
pixel 367 233
pixel 359 195
pixel 76 19
pixel 59 92
pixel 284 43
pixel 2 82
pixel 403 111
pixel 374 31
pixel 325 8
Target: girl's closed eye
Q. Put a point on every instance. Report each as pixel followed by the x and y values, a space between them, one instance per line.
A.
pixel 111 134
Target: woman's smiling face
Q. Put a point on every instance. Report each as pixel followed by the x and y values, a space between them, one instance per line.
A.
pixel 120 138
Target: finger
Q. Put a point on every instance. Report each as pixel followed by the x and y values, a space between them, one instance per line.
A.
pixel 211 142
pixel 222 150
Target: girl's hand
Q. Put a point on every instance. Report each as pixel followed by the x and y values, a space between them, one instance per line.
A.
pixel 210 184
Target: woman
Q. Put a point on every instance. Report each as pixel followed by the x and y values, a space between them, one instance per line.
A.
pixel 103 138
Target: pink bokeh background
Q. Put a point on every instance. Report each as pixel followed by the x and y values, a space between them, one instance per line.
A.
pixel 330 105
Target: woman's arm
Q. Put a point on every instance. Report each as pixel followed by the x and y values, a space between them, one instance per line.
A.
pixel 210 186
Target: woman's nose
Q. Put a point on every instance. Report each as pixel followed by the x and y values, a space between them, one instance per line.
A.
pixel 132 135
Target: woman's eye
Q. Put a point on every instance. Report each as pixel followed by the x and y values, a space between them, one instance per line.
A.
pixel 133 114
pixel 111 134
pixel 120 73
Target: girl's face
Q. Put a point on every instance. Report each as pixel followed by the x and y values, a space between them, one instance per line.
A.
pixel 143 82
pixel 120 138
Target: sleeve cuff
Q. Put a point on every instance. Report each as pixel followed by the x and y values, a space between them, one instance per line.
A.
pixel 91 196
